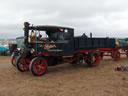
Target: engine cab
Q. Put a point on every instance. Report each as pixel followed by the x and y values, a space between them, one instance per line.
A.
pixel 56 40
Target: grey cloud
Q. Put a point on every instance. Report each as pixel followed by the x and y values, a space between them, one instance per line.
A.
pixel 101 17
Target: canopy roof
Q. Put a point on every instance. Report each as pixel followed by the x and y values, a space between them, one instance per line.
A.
pixel 49 27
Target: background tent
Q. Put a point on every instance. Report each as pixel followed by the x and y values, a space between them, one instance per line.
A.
pixel 3 48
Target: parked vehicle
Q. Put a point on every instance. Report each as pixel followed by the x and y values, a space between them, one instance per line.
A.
pixel 4 51
pixel 15 49
pixel 51 45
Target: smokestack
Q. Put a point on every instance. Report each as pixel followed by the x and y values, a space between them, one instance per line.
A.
pixel 90 35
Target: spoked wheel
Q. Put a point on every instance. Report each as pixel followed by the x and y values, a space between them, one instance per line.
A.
pixel 22 64
pixel 38 66
pixel 13 61
pixel 117 56
pixel 92 59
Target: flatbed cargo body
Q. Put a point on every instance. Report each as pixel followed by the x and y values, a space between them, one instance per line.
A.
pixel 68 48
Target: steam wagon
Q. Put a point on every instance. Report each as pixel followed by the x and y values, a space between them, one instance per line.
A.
pixel 51 45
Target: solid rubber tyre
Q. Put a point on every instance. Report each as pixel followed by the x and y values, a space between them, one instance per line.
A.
pixel 38 66
pixel 92 59
pixel 21 64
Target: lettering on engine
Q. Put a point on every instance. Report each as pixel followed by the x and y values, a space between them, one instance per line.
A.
pixel 48 46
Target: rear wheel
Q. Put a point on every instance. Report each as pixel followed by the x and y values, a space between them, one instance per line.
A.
pixel 117 56
pixel 22 64
pixel 92 59
pixel 38 66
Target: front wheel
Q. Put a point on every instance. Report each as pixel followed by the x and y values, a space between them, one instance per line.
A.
pixel 38 66
pixel 22 64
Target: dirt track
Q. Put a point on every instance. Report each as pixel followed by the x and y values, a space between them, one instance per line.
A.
pixel 65 80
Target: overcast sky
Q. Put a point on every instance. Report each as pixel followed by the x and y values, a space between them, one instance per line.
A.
pixel 101 17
